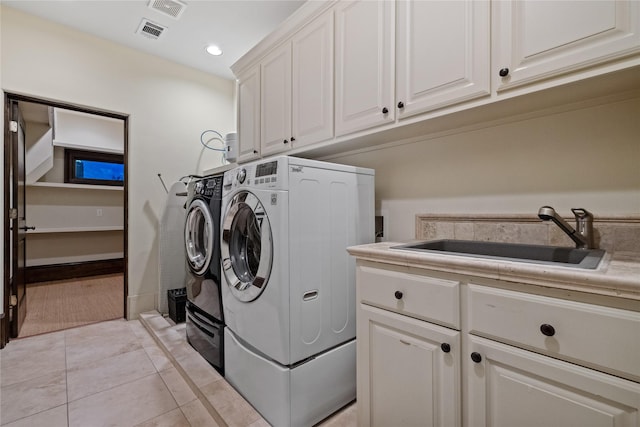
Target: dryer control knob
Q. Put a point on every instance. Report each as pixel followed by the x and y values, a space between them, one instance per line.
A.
pixel 199 187
pixel 242 175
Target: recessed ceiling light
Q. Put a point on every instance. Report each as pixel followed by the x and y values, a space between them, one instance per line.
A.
pixel 214 50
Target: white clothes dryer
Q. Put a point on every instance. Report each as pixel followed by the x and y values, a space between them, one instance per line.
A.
pixel 289 293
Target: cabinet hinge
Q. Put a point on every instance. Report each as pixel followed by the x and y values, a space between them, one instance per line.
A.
pixel 13 126
pixel 13 213
pixel 13 301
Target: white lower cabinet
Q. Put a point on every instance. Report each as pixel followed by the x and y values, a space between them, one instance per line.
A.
pixel 409 371
pixel 408 368
pixel 507 386
pixel 520 358
pixel 534 360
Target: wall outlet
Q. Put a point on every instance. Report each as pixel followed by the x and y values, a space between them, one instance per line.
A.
pixel 98 212
pixel 379 227
pixel 382 223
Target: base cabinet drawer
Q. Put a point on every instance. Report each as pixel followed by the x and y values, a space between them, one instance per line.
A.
pixel 601 337
pixel 409 292
pixel 507 386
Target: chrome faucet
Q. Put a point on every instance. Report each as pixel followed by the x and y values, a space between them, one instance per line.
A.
pixel 583 236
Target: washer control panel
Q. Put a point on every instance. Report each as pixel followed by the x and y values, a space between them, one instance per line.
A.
pixel 209 187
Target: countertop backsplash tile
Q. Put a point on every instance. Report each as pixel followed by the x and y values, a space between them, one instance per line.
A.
pixel 612 233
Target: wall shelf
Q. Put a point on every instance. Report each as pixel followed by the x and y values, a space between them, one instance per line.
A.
pixel 76 186
pixel 45 230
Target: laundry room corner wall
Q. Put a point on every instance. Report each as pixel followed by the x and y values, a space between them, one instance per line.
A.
pixel 168 105
pixel 2 186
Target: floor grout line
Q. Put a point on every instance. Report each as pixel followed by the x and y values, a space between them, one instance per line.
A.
pixel 196 390
pixel 66 378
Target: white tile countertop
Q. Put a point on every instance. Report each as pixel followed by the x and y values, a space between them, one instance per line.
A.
pixel 617 275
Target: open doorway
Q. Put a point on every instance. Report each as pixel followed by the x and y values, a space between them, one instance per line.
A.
pixel 67 181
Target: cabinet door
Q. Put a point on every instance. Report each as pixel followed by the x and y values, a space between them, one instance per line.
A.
pixel 537 40
pixel 514 387
pixel 249 115
pixel 443 53
pixel 404 376
pixel 364 65
pixel 313 82
pixel 275 87
pixel 570 330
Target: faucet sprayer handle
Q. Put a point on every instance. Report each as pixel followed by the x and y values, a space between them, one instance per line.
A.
pixel 581 213
pixel 584 226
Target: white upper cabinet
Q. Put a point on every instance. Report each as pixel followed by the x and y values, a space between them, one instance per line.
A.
pixel 313 82
pixel 442 53
pixel 297 89
pixel 340 71
pixel 364 65
pixel 275 92
pixel 536 40
pixel 249 115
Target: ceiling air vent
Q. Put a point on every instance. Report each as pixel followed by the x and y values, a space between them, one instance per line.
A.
pixel 150 29
pixel 173 8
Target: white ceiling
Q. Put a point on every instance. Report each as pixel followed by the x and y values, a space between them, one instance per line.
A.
pixel 235 26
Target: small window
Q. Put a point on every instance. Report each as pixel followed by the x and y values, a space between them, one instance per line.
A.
pixel 90 167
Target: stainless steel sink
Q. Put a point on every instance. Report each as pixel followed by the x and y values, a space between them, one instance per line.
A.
pixel 538 254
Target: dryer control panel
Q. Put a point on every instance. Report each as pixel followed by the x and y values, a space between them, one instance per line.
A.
pixel 265 174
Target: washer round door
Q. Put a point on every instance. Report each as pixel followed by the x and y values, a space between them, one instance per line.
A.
pixel 247 246
pixel 198 236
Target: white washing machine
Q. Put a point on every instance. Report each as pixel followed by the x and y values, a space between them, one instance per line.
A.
pixel 289 297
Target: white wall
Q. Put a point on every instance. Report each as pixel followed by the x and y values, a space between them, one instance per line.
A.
pixel 39 150
pixel 169 106
pixel 588 157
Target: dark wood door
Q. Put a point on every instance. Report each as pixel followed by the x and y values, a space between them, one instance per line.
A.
pixel 18 225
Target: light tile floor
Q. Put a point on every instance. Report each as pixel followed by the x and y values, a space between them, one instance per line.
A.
pixel 119 373
pixel 106 374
